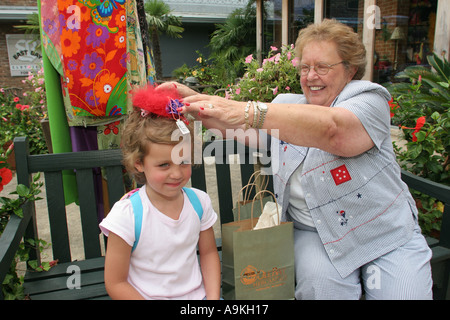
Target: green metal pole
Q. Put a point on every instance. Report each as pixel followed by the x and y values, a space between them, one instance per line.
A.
pixel 59 128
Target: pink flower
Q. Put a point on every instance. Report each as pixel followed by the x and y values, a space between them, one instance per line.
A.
pixel 16 99
pixel 289 55
pixel 260 70
pixel 288 88
pixel 22 107
pixel 238 91
pixel 273 48
pixel 275 91
pixel 277 58
pixel 295 62
pixel 249 59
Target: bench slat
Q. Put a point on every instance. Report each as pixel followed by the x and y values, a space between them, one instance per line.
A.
pixel 88 292
pixel 74 160
pixel 88 212
pixel 116 187
pixel 57 216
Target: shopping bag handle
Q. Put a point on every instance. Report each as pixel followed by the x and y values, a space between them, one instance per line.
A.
pixel 264 182
pixel 252 185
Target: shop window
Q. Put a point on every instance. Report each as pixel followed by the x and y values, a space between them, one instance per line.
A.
pixel 272 23
pixel 301 13
pixel 349 12
pixel 406 36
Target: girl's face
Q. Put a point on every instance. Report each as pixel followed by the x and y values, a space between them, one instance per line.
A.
pixel 165 173
pixel 323 89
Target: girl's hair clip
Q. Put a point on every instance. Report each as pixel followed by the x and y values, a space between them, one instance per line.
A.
pixel 144 113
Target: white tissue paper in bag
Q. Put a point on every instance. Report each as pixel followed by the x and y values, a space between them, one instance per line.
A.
pixel 269 217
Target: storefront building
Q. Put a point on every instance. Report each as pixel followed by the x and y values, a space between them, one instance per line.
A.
pixel 397 33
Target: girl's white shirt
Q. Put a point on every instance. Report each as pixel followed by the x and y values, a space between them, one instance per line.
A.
pixel 164 264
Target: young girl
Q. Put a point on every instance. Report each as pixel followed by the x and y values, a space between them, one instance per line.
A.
pixel 164 264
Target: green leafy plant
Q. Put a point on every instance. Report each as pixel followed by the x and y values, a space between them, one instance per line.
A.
pixel 277 74
pixel 204 71
pixel 20 115
pixel 420 107
pixel 233 40
pixel 12 285
pixel 161 21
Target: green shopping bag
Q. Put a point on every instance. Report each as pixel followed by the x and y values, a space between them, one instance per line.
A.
pixel 242 209
pixel 257 264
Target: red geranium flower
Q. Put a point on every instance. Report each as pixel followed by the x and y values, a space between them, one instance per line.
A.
pixel 6 177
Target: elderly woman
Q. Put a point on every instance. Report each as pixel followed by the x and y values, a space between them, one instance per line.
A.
pixel 355 221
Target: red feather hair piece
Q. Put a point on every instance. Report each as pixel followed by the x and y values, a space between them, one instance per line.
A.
pixel 161 102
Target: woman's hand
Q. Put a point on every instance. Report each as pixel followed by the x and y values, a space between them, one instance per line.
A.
pixel 183 90
pixel 215 112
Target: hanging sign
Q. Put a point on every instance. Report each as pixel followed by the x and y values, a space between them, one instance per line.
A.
pixel 23 54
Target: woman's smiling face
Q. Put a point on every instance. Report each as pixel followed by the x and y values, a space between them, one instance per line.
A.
pixel 323 89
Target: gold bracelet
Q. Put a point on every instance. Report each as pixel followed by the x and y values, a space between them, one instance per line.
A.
pixel 247 108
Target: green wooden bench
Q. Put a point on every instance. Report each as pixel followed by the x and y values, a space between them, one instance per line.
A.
pixel 56 283
pixel 60 281
pixel 440 263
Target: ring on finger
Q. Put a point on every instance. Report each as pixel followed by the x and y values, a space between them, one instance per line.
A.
pixel 210 106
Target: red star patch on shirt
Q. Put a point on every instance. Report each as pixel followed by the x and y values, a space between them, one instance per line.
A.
pixel 340 175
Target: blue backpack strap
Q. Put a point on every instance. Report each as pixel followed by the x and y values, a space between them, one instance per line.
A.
pixel 195 201
pixel 138 212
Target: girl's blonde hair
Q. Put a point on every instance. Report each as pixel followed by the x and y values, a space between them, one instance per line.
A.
pixel 349 45
pixel 140 133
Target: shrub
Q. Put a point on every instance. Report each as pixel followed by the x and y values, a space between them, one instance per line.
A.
pixel 420 107
pixel 277 74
